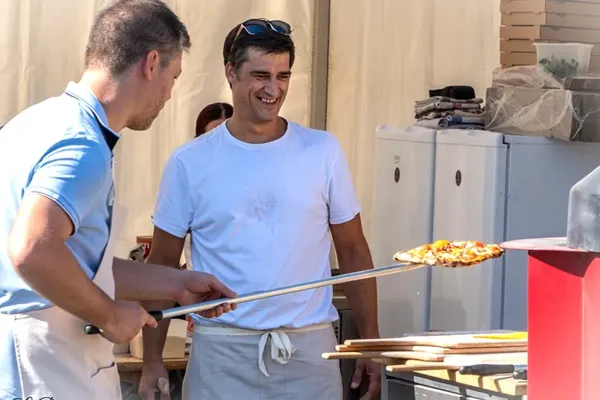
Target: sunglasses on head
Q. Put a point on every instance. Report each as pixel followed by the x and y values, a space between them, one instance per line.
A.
pixel 257 26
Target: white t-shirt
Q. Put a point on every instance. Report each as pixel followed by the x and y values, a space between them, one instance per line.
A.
pixel 259 218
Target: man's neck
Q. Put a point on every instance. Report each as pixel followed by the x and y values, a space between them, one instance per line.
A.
pixel 256 133
pixel 110 94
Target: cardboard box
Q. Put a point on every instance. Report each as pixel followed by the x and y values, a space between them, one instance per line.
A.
pixel 556 113
pixel 590 7
pixel 549 19
pixel 583 83
pixel 540 32
pixel 174 345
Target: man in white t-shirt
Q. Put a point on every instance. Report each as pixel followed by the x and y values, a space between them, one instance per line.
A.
pixel 260 196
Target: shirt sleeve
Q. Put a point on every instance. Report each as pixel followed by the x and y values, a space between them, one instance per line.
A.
pixel 71 175
pixel 343 203
pixel 173 212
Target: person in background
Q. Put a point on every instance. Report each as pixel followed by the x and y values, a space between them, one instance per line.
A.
pixel 263 197
pixel 59 221
pixel 212 116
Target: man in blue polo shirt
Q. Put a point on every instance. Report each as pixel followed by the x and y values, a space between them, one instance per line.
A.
pixel 58 219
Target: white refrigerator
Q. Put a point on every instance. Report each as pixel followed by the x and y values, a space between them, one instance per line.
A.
pixel 467 184
pixel 494 187
pixel 403 218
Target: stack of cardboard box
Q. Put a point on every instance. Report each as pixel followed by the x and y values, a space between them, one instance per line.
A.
pixel 525 22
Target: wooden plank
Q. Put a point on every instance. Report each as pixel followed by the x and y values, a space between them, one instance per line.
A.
pixel 550 6
pixel 550 33
pixel 406 355
pixel 431 349
pixel 470 359
pixel 424 367
pixel 447 341
pixel 557 20
pixel 127 363
pixel 459 359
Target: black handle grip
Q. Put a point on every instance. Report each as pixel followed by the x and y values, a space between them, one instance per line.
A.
pixel 158 315
pixel 486 369
pixel 90 329
pixel 520 374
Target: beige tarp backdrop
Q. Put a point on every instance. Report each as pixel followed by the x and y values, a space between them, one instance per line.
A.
pixel 384 54
pixel 42 44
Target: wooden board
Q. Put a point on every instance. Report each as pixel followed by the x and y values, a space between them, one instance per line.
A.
pixel 462 359
pixel 127 363
pixel 555 20
pixel 446 341
pixel 550 6
pixel 405 355
pixel 431 349
pixel 550 33
pixel 470 359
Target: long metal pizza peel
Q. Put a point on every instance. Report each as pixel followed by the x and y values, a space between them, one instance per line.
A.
pixel 208 305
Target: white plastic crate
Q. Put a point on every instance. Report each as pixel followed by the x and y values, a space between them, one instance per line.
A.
pixel 563 57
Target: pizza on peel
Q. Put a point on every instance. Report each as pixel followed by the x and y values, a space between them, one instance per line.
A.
pixel 464 253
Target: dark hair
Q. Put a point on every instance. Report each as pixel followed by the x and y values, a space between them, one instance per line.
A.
pixel 210 113
pixel 127 30
pixel 268 41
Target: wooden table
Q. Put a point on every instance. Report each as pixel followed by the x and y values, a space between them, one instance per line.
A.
pixel 451 385
pixel 130 368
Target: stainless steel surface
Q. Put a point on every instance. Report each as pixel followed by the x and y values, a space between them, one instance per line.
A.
pixel 354 276
pixel 583 229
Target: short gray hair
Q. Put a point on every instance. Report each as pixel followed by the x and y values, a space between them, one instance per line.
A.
pixel 127 30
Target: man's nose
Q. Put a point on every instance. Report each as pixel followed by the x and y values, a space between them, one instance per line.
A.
pixel 271 88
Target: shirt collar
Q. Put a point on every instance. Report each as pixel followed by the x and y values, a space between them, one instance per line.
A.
pixel 89 100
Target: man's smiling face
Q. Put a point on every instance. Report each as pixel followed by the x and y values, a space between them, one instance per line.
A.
pixel 260 85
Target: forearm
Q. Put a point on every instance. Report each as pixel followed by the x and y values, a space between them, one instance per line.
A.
pixel 139 281
pixel 161 269
pixel 154 341
pixel 52 271
pixel 362 294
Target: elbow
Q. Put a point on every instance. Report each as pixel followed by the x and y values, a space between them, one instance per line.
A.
pixel 19 256
pixel 21 253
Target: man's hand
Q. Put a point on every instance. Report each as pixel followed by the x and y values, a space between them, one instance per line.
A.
pixel 127 320
pixel 197 287
pixel 373 370
pixel 155 379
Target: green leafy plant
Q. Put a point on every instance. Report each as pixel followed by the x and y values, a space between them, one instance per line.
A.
pixel 560 67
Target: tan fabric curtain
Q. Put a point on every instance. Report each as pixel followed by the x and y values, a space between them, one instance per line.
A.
pixel 385 54
pixel 42 43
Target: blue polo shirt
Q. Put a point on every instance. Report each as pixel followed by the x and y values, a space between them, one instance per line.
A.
pixel 60 148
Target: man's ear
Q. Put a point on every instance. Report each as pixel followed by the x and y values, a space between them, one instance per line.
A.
pixel 230 73
pixel 150 64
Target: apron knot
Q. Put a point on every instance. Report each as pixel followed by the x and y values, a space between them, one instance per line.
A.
pixel 281 349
